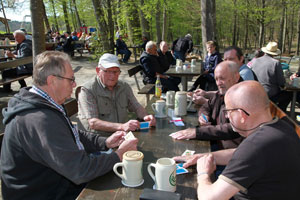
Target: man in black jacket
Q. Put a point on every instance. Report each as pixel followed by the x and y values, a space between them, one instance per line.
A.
pixel 182 46
pixel 123 49
pixel 24 49
pixel 43 155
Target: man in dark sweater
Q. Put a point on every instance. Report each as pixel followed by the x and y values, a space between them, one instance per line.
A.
pixel 43 155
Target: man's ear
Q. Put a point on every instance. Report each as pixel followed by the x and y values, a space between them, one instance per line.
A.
pixel 244 116
pixel 97 70
pixel 50 80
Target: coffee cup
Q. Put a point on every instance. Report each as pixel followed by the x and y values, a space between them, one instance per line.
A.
pixel 165 174
pixel 132 169
pixel 170 98
pixel 181 105
pixel 193 63
pixel 160 109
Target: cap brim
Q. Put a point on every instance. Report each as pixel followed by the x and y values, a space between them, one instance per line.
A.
pixel 264 49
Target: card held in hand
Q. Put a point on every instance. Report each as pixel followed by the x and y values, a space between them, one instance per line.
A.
pixel 129 136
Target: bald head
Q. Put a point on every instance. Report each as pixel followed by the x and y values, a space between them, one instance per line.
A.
pixel 226 75
pixel 163 47
pixel 249 95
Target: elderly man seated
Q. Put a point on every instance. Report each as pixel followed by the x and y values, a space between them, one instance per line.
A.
pixel 152 68
pixel 265 165
pixel 24 49
pixel 44 156
pixel 104 101
pixel 213 123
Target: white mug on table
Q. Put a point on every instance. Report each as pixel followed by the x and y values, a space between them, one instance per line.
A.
pixel 132 169
pixel 165 174
pixel 170 98
pixel 160 109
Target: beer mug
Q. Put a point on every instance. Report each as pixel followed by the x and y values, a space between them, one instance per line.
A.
pixel 181 105
pixel 160 109
pixel 170 98
pixel 132 169
pixel 193 63
pixel 165 174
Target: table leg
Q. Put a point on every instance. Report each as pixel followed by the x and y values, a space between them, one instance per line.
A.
pixel 184 83
pixel 134 52
pixel 293 105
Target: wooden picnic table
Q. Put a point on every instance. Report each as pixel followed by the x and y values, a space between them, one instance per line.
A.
pixel 154 143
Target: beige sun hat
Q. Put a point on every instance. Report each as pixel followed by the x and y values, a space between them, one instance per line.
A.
pixel 271 48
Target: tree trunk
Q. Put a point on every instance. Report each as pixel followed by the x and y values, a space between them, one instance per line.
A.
pixel 143 21
pixel 246 25
pixel 38 33
pixel 77 14
pixel 165 21
pixel 110 26
pixel 46 18
pixel 6 25
pixel 284 31
pixel 64 4
pixel 99 13
pixel 157 22
pixel 234 32
pixel 292 30
pixel 280 39
pixel 54 14
pixel 75 26
pixel 262 24
pixel 298 33
pixel 208 25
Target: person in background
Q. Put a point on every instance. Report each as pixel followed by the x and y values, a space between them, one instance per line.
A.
pixel 122 49
pixel 151 68
pixel 28 37
pixel 104 102
pixel 74 36
pixel 235 54
pixel 165 57
pixel 212 59
pixel 270 74
pixel 257 53
pixel 143 45
pixel 24 49
pixel 182 46
pixel 44 156
pixel 265 165
pixel 68 46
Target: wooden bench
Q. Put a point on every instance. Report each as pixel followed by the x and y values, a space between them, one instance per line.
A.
pixel 277 112
pixel 13 64
pixel 148 89
pixel 80 48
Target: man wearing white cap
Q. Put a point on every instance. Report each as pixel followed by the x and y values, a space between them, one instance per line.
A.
pixel 104 101
pixel 269 73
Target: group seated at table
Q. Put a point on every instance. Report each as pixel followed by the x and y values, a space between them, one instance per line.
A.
pixel 154 66
pixel 104 101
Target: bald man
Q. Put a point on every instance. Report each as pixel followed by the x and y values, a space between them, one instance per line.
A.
pixel 213 123
pixel 265 166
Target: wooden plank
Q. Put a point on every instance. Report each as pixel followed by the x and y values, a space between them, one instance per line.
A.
pixel 10 80
pixel 147 89
pixel 134 70
pixel 277 112
pixel 15 63
pixel 71 107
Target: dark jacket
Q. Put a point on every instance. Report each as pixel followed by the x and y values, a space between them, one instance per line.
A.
pixel 39 156
pixel 165 61
pixel 68 46
pixel 220 128
pixel 150 66
pixel 121 45
pixel 211 62
pixel 183 44
pixel 143 45
pixel 24 49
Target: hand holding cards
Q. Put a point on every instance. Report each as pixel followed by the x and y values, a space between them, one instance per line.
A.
pixel 129 136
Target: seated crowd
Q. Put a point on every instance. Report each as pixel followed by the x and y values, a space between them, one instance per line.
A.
pixel 257 155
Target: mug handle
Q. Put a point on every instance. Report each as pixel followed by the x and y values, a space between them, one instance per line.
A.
pixel 116 171
pixel 191 101
pixel 150 171
pixel 152 105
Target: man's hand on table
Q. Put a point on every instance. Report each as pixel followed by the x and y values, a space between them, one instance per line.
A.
pixel 10 54
pixel 127 145
pixel 184 134
pixel 189 160
pixel 131 125
pixel 115 139
pixel 151 119
pixel 206 164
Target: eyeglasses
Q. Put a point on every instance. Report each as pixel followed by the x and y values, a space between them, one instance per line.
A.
pixel 227 111
pixel 112 72
pixel 70 79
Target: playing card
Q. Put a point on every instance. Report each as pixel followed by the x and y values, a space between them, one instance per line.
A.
pixel 188 153
pixel 144 125
pixel 129 136
pixel 180 169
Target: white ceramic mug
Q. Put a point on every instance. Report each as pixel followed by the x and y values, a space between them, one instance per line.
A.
pixel 132 169
pixel 193 63
pixel 170 98
pixel 160 109
pixel 178 62
pixel 165 174
pixel 181 105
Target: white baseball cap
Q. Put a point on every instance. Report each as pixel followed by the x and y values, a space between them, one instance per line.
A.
pixel 108 60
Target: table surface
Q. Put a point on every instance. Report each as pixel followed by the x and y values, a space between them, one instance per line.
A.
pixel 191 71
pixel 155 143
